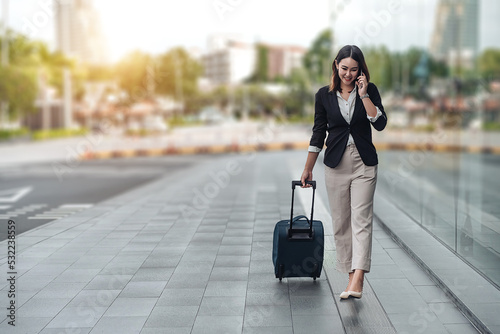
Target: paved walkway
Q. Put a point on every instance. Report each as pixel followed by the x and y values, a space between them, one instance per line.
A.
pixel 191 253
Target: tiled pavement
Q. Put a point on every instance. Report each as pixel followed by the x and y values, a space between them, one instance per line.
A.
pixel 191 253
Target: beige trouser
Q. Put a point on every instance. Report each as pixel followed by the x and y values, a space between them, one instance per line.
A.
pixel 350 187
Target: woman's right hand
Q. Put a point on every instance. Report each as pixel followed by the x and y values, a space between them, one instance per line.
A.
pixel 306 176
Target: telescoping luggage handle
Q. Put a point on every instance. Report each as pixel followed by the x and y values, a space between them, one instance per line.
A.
pixel 292 220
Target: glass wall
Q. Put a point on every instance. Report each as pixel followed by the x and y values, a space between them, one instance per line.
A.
pixel 452 193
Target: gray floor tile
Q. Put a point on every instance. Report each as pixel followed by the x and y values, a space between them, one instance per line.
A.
pixel 267 287
pixel 232 261
pixel 226 288
pixel 43 307
pixel 432 294
pixel 77 275
pixel 313 305
pixel 194 268
pixel 172 316
pixel 261 267
pixel 235 250
pixel 222 306
pixel 461 329
pixel 308 287
pixel 181 297
pixel 267 316
pixel 121 268
pixel 161 262
pixel 236 240
pixel 94 298
pixel 393 286
pixel 70 329
pixel 417 277
pixel 125 325
pixel 448 313
pixel 217 324
pixel 152 274
pixel 143 289
pixel 402 305
pixel 25 325
pixel 188 281
pixel 279 298
pixel 385 271
pixel 166 330
pixel 135 307
pixel 78 317
pixel 108 282
pixel 61 290
pixel 306 324
pixel 238 232
pixel 229 274
pixel 33 282
pixel 267 330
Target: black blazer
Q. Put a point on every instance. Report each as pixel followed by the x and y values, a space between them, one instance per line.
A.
pixel 327 117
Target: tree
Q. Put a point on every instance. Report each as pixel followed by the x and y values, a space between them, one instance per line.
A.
pixel 380 63
pixel 261 72
pixel 18 87
pixel 177 74
pixel 299 94
pixel 318 59
pixel 131 73
pixel 489 63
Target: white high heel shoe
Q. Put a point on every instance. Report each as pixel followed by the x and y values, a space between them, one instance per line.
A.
pixel 354 294
pixel 344 295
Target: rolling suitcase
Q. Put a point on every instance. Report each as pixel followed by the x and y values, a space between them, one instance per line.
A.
pixel 298 243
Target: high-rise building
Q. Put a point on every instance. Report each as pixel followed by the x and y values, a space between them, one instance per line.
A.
pixel 456 32
pixel 78 31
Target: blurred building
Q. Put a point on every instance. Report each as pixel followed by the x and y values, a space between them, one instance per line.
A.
pixel 282 59
pixel 456 32
pixel 228 61
pixel 78 31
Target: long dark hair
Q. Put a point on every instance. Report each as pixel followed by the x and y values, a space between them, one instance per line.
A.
pixel 348 51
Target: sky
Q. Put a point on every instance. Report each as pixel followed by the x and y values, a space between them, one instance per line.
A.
pixel 155 26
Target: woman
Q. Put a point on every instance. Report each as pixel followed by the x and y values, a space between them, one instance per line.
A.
pixel 347 109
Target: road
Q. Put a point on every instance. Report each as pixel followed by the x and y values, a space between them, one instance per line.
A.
pixel 36 194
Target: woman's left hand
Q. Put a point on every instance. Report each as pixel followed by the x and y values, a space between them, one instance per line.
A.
pixel 362 84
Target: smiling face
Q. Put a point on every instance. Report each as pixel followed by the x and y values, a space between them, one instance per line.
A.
pixel 348 71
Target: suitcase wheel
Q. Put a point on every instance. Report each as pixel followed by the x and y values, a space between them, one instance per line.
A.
pixel 281 272
pixel 314 278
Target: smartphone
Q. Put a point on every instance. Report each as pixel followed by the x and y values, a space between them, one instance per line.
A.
pixel 360 74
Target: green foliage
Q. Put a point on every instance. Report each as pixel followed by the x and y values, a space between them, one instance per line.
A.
pixel 318 59
pixel 491 126
pixel 6 134
pixel 131 73
pixel 18 87
pixel 30 61
pixel 489 63
pixel 177 74
pixel 380 64
pixel 261 73
pixel 57 133
pixel 299 95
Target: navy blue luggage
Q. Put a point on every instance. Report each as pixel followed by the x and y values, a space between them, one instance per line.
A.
pixel 298 244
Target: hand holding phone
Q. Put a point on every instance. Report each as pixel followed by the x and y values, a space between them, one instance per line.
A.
pixel 360 84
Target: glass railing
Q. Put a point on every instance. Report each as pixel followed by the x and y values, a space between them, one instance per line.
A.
pixel 453 193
